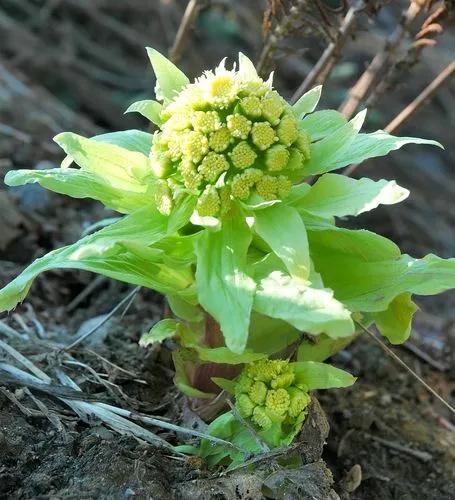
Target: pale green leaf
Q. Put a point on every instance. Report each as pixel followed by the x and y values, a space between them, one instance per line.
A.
pixel 308 309
pixel 283 230
pixel 338 195
pixel 224 288
pixel 80 183
pixel 396 321
pixel 247 71
pixel 322 347
pixel 224 355
pixel 149 109
pixel 120 251
pixel 325 152
pixel 183 309
pixel 326 240
pixel 322 123
pixel 132 140
pixel 321 376
pixel 372 145
pixel 371 286
pixel 184 364
pixel 122 168
pixel 225 384
pixel 270 335
pixel 308 102
pixel 169 78
pixel 160 331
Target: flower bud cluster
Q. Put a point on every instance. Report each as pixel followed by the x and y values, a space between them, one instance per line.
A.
pixel 267 393
pixel 227 132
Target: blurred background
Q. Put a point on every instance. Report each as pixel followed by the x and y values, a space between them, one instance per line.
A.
pixel 76 65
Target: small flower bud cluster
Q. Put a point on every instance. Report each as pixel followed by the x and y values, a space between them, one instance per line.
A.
pixel 267 393
pixel 224 132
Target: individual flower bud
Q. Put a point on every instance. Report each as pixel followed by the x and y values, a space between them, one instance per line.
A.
pixel 191 177
pixel 179 121
pixel 221 89
pixel 205 121
pixel 277 401
pixel 220 139
pixel 251 106
pixel 163 197
pixel 299 400
pixel 287 130
pixel 243 155
pixel 263 135
pixel 242 183
pixel 283 186
pixel 272 107
pixel 208 204
pixel 303 143
pixel 212 166
pixel 238 125
pixel 276 158
pixel 258 392
pixel 261 418
pixel 195 146
pixel 244 383
pixel 160 164
pixel 267 187
pixel 245 406
pixel 283 380
pixel 296 159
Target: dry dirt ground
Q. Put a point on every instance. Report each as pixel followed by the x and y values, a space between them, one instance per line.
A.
pixel 62 67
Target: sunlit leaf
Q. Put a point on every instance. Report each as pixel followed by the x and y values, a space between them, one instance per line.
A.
pixel 308 309
pixel 338 195
pixel 224 288
pixel 307 102
pixel 169 78
pixel 149 109
pixel 396 321
pixel 321 376
pixel 322 123
pixel 283 230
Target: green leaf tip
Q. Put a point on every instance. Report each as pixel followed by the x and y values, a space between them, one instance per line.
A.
pixel 170 79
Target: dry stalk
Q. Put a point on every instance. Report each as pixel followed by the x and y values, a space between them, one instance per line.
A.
pixel 189 18
pixel 412 108
pixel 307 17
pixel 432 27
pixel 376 67
pixel 330 56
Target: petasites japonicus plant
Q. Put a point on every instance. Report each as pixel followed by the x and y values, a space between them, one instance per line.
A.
pixel 218 218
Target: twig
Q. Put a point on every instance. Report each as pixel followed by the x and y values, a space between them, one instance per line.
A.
pixel 102 321
pixel 331 54
pixel 427 93
pixel 421 455
pixel 188 20
pixel 264 447
pixel 373 71
pixel 91 287
pixel 24 361
pixel 414 106
pixel 425 357
pixel 404 365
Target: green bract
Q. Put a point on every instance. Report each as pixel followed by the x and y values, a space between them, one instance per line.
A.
pixel 218 217
pixel 272 399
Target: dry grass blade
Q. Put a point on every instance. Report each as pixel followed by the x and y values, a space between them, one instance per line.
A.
pixel 404 365
pixel 125 300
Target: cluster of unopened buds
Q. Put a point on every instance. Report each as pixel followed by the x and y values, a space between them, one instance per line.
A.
pixel 224 137
pixel 267 393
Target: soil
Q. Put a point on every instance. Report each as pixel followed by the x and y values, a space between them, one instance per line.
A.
pixel 389 439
